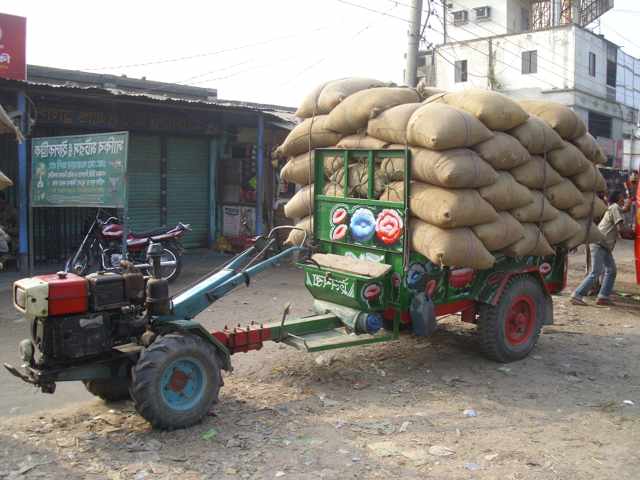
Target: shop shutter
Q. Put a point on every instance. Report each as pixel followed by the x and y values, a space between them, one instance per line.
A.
pixel 188 187
pixel 143 173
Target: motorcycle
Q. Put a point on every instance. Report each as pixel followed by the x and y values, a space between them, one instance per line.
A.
pixel 103 244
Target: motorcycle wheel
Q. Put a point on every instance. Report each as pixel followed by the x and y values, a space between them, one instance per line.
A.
pixel 81 264
pixel 170 254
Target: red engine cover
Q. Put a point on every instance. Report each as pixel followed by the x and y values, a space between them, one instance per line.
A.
pixel 68 293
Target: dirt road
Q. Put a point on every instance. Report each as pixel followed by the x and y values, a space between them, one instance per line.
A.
pixel 398 410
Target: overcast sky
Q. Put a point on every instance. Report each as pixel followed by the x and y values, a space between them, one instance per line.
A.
pixel 254 50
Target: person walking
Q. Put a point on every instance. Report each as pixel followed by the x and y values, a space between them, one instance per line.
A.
pixel 602 253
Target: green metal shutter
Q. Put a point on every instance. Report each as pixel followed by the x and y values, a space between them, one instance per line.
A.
pixel 188 187
pixel 143 173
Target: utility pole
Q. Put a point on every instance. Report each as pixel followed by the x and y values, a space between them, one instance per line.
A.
pixel 444 21
pixel 414 42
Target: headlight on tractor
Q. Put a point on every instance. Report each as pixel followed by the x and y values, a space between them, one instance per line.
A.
pixel 19 297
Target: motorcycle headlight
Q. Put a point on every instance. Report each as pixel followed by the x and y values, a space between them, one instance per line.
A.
pixel 20 297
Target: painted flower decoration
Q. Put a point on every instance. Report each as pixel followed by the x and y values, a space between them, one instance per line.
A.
pixel 363 225
pixel 339 216
pixel 339 232
pixel 389 226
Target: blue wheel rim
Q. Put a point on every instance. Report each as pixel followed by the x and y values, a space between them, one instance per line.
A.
pixel 182 384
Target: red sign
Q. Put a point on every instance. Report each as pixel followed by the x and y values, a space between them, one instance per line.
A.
pixel 13 47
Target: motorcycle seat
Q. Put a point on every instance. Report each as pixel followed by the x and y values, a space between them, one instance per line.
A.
pixel 152 233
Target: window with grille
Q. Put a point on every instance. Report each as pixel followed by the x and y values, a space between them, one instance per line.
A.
pixel 483 13
pixel 530 62
pixel 592 64
pixel 612 73
pixel 461 71
pixel 460 17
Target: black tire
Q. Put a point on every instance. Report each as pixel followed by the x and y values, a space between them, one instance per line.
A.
pixel 185 358
pixel 109 389
pixel 510 330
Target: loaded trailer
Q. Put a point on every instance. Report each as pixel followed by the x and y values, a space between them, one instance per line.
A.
pixel 123 335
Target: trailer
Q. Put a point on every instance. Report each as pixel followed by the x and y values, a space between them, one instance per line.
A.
pixel 123 335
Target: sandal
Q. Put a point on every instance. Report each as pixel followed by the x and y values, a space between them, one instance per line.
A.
pixel 579 302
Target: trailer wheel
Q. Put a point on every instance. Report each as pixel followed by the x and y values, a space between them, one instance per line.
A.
pixel 510 330
pixel 109 389
pixel 176 381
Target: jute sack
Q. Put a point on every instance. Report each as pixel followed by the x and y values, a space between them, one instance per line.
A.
pixel 591 180
pixel 538 211
pixel 309 105
pixel 584 209
pixel 336 91
pixel 595 235
pixel 439 127
pixel 299 169
pixel 392 168
pixel 562 228
pixel 568 160
pixel 501 233
pixel 536 136
pixel 454 168
pixel 532 243
pixel 559 117
pixel 495 110
pixel 506 193
pixel 590 148
pixel 5 182
pixel 452 247
pixel 426 91
pixel 333 190
pixel 564 195
pixel 391 125
pixel 442 207
pixel 359 180
pixel 536 173
pixel 296 237
pixel 352 114
pixel 361 141
pixel 301 204
pixel 297 142
pixel 503 151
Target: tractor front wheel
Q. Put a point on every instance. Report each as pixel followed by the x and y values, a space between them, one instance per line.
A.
pixel 176 381
pixel 510 330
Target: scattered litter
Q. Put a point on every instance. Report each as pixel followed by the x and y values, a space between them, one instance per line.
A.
pixel 210 434
pixel 629 403
pixel 441 451
pixel 491 457
pixel 472 466
pixel 451 381
pixel 342 451
pixel 326 402
pixel 324 360
pixel 505 370
pixel 340 424
pixel 403 427
pixel 470 412
pixel 537 357
pixel 279 474
pixel 374 428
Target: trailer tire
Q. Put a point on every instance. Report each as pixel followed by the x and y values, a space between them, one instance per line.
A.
pixel 109 389
pixel 176 381
pixel 510 330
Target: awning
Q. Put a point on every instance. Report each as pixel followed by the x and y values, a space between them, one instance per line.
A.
pixel 7 126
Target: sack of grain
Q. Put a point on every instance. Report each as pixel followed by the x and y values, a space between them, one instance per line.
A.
pixel 536 174
pixel 536 136
pixel 495 110
pixel 297 236
pixel 594 235
pixel 336 91
pixel 584 209
pixel 560 229
pixel 559 117
pixel 451 247
pixel 352 114
pixel 359 180
pixel 538 211
pixel 299 169
pixel 455 168
pixel 301 204
pixel 564 195
pixel 361 141
pixel 5 182
pixel 439 127
pixel 309 105
pixel 568 160
pixel 590 148
pixel 391 125
pixel 591 180
pixel 310 130
pixel 392 168
pixel 426 91
pixel 503 151
pixel 333 190
pixel 442 207
pixel 506 193
pixel 532 243
pixel 497 235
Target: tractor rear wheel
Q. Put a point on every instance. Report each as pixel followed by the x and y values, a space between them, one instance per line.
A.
pixel 109 389
pixel 510 330
pixel 176 381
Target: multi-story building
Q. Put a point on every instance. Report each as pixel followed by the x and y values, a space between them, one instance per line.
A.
pixel 542 49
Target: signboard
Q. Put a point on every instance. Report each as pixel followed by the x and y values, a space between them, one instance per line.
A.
pixel 79 170
pixel 238 221
pixel 13 51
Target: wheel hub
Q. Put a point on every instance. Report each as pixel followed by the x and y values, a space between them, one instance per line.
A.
pixel 520 321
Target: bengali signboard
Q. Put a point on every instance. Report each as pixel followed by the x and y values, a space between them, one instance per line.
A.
pixel 79 170
pixel 13 52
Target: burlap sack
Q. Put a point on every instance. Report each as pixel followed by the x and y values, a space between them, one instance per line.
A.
pixel 584 209
pixel 495 110
pixel 591 180
pixel 301 204
pixel 455 168
pixel 536 173
pixel 559 117
pixel 532 243
pixel 452 247
pixel 297 237
pixel 594 235
pixel 536 136
pixel 391 125
pixel 336 91
pixel 299 169
pixel 503 151
pixel 443 207
pixel 310 130
pixel 361 141
pixel 568 160
pixel 392 169
pixel 358 180
pixel 562 228
pixel 564 195
pixel 590 148
pixel 506 193
pixel 5 182
pixel 426 91
pixel 501 233
pixel 333 190
pixel 439 127
pixel 309 105
pixel 352 114
pixel 538 211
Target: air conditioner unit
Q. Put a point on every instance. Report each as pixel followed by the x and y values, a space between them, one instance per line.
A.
pixel 460 17
pixel 483 13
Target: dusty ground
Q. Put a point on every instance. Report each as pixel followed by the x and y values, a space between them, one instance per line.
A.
pixel 569 411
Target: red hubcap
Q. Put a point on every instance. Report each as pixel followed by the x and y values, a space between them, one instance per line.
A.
pixel 520 320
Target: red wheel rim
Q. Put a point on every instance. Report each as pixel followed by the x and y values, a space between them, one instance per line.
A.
pixel 520 320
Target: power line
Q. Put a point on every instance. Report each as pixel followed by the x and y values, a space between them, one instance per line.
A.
pixel 372 10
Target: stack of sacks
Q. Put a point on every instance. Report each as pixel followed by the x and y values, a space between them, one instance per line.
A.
pixel 489 175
